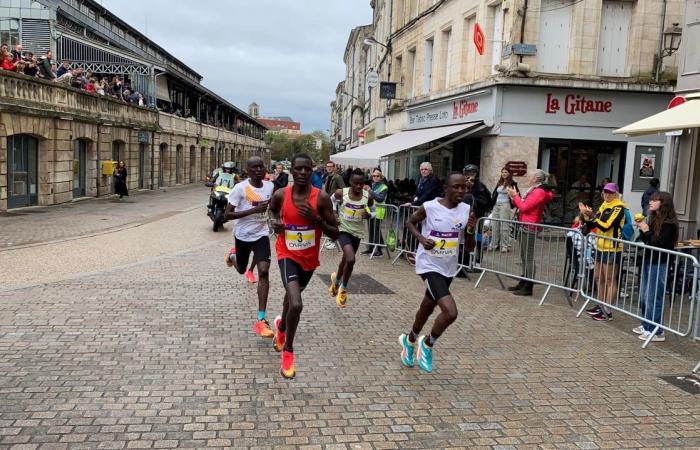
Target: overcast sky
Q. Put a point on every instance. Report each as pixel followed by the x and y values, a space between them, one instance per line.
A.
pixel 287 56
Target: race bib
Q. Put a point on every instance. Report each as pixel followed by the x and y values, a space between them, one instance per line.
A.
pixel 299 237
pixel 352 213
pixel 446 244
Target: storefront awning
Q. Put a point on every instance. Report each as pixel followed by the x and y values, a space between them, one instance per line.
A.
pixel 369 155
pixel 685 115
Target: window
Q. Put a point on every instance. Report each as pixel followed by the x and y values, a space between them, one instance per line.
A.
pixel 415 8
pixel 445 59
pixel 411 72
pixel 553 44
pixel 614 33
pixel 428 66
pixel 400 13
pixel 469 58
pixel 398 77
pixel 9 32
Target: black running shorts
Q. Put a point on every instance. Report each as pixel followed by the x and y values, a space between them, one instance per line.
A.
pixel 438 286
pixel 259 248
pixel 347 238
pixel 292 271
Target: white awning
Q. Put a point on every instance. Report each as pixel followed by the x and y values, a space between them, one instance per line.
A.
pixel 369 155
pixel 685 115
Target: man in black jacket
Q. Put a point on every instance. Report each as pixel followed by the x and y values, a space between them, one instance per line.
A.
pixel 428 186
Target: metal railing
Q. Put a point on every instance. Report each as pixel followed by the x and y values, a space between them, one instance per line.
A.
pixel 542 254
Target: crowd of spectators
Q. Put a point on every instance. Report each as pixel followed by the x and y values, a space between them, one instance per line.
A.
pixel 45 67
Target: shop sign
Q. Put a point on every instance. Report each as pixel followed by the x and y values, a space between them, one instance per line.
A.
pixel 452 112
pixel 517 168
pixel 576 104
pixel 479 39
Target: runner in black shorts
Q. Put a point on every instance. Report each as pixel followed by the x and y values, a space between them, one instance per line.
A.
pixel 352 211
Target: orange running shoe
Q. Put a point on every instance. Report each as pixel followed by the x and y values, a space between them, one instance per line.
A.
pixel 278 339
pixel 250 276
pixel 262 328
pixel 287 368
pixel 227 258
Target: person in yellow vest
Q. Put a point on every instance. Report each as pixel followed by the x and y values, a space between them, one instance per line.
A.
pixel 379 193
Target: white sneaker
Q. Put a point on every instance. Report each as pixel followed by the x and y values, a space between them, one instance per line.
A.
pixel 638 330
pixel 656 338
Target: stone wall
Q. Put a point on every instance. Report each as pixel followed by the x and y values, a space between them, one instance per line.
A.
pixel 59 116
pixel 497 150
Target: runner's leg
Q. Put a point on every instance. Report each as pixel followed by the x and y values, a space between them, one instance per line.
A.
pixel 448 314
pixel 347 263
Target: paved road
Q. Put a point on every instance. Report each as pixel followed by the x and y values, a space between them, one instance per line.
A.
pixel 153 349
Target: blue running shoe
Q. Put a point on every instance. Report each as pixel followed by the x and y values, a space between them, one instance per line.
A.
pixel 424 355
pixel 406 351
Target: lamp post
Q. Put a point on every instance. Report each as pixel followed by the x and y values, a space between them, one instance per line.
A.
pixel 671 41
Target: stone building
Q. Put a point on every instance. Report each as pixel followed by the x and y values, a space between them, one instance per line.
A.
pixel 551 81
pixel 54 138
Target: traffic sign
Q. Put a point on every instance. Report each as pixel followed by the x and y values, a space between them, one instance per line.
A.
pixel 372 79
pixel 479 39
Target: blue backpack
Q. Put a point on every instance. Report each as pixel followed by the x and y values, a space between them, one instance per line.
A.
pixel 627 232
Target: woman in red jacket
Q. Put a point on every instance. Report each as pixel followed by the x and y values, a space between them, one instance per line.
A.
pixel 530 206
pixel 6 61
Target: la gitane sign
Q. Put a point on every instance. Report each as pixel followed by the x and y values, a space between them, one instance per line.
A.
pixel 573 104
pixel 448 113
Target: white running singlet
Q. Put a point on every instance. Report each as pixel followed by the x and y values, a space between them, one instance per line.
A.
pixel 444 226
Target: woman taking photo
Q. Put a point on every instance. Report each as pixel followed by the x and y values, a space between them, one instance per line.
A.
pixel 661 231
pixel 608 222
pixel 502 209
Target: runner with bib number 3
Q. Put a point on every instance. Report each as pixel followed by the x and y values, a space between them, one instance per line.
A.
pixel 353 203
pixel 442 221
pixel 300 214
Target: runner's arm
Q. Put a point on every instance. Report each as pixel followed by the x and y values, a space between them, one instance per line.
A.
pixel 276 210
pixel 232 214
pixel 412 225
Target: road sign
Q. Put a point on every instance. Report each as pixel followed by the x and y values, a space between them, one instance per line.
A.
pixel 372 79
pixel 479 39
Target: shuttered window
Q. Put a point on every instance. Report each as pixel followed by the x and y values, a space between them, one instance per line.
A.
pixel 614 34
pixel 36 36
pixel 555 35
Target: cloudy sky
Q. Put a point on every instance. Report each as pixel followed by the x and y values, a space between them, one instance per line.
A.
pixel 287 56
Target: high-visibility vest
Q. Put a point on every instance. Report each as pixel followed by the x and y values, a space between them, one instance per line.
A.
pixel 379 206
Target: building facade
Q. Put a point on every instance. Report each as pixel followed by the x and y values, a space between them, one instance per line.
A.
pixel 281 125
pixel 54 139
pixel 551 82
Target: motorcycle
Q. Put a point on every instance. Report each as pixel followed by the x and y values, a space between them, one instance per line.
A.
pixel 217 207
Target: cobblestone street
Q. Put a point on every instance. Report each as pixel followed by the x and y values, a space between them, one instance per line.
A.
pixel 154 349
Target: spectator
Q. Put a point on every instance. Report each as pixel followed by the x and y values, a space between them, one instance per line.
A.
pixel 32 67
pixel 651 190
pixel 379 193
pixel 17 54
pixel 317 177
pixel 65 67
pixel 279 178
pixel 45 67
pixel 531 206
pixel 346 176
pixel 6 61
pixel 608 222
pixel 333 180
pixel 120 177
pixel 661 231
pixel 502 210
pixel 428 186
pixel 90 86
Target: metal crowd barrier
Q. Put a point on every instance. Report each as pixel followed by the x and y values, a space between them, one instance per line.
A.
pixel 541 254
pixel 653 285
pixel 406 244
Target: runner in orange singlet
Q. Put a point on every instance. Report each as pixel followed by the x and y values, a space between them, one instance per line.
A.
pixel 300 213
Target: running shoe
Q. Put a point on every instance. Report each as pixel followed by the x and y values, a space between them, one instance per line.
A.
pixel 287 368
pixel 250 276
pixel 638 330
pixel 333 288
pixel 227 258
pixel 278 339
pixel 342 298
pixel 595 310
pixel 406 350
pixel 659 337
pixel 262 329
pixel 602 316
pixel 424 354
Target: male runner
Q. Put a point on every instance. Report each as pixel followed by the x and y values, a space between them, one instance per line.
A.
pixel 247 205
pixel 300 214
pixel 442 220
pixel 353 203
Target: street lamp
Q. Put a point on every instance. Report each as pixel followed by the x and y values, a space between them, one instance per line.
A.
pixel 670 44
pixel 372 41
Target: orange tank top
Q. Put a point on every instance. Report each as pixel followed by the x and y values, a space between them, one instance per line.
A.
pixel 301 239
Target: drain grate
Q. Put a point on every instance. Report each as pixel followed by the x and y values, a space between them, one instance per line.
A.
pixel 360 284
pixel 687 383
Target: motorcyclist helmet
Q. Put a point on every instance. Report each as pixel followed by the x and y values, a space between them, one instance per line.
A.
pixel 471 169
pixel 228 167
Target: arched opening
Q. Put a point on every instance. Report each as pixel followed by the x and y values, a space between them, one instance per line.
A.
pixel 142 165
pixel 80 149
pixel 22 170
pixel 178 164
pixel 162 152
pixel 212 160
pixel 193 162
pixel 202 163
